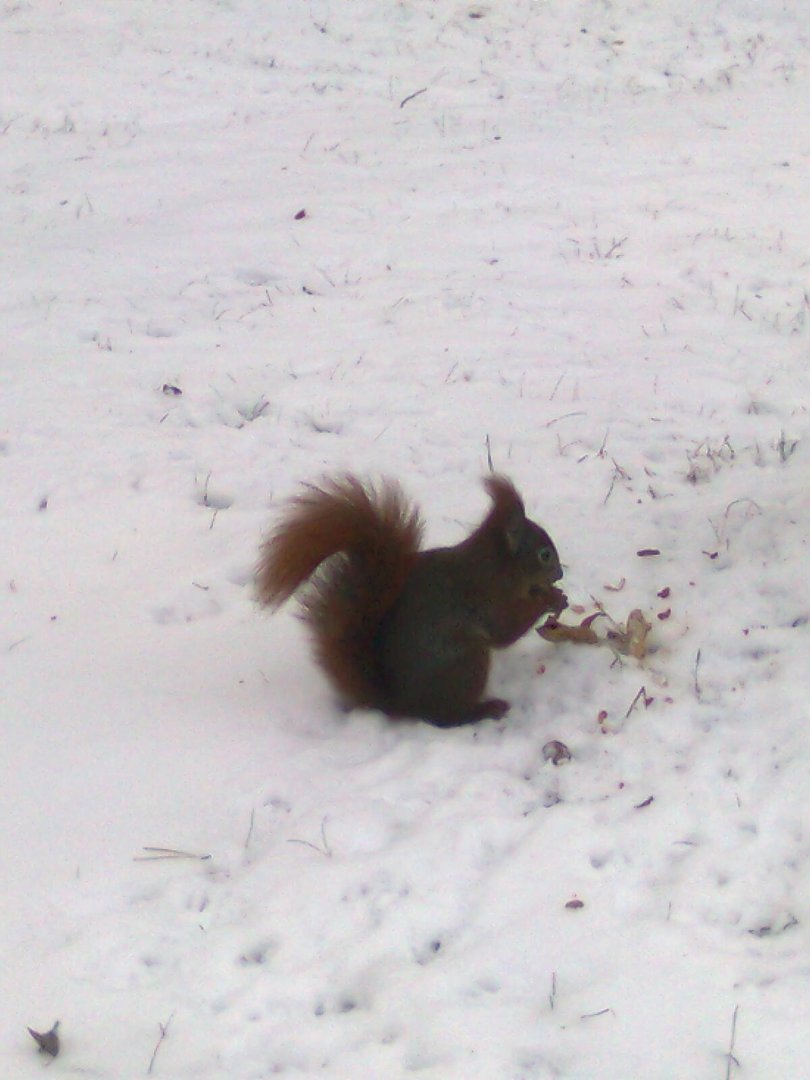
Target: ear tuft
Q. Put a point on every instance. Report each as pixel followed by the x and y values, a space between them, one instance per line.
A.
pixel 508 513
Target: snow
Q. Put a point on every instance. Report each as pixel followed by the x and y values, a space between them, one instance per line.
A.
pixel 567 237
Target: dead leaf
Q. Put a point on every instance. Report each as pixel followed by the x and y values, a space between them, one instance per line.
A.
pixel 631 639
pixel 47 1041
pixel 556 752
pixel 637 629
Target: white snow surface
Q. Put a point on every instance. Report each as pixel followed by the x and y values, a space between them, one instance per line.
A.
pixel 569 238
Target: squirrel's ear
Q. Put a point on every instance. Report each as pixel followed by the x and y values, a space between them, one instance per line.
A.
pixel 508 513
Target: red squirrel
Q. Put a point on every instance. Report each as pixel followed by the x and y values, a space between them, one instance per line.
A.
pixel 399 629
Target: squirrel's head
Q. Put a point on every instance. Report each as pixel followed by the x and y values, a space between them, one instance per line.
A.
pixel 527 546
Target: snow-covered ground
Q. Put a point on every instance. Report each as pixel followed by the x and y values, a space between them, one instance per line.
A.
pixel 572 237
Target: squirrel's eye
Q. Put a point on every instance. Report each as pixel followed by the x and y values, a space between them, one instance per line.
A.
pixel 544 555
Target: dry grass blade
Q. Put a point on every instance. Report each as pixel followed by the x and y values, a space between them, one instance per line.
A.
pixel 158 853
pixel 164 1028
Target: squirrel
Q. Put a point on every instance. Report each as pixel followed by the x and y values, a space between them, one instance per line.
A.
pixel 400 629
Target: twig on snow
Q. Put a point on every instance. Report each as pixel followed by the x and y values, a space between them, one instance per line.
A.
pixel 615 246
pixel 556 387
pixel 163 1030
pixel 731 1060
pixel 488 445
pixel 739 305
pixel 618 473
pixel 156 853
pixel 565 416
pixel 250 828
pixel 640 696
pixel 325 850
pixel 410 97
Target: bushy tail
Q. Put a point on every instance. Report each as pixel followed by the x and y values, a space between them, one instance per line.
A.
pixel 355 544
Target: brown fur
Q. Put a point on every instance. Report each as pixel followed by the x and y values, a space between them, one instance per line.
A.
pixel 396 628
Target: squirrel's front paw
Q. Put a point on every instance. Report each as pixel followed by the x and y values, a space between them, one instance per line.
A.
pixel 558 601
pixel 553 600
